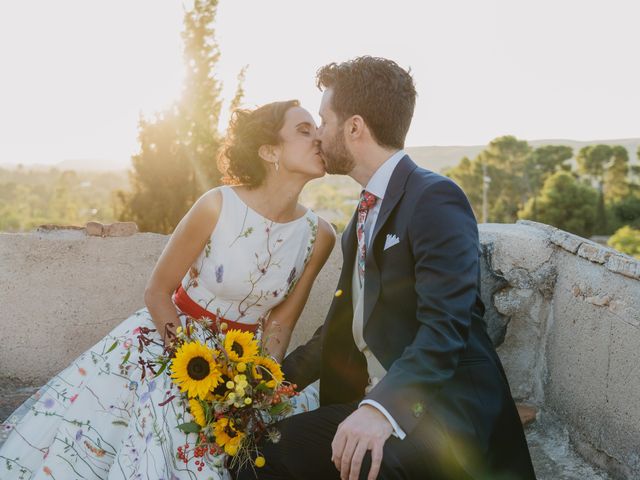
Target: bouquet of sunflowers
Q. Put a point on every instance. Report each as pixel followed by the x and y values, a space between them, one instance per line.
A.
pixel 234 390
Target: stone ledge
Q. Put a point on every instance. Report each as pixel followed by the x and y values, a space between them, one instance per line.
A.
pixel 52 227
pixel 625 265
pixel 94 229
pixel 118 229
pixel 614 261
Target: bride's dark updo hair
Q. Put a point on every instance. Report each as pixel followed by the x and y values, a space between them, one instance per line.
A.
pixel 248 130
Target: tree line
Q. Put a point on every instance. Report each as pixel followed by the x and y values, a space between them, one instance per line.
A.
pixel 594 192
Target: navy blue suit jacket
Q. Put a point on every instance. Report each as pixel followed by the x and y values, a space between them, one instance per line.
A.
pixel 423 320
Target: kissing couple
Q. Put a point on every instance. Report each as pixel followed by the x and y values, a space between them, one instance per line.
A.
pixel 410 385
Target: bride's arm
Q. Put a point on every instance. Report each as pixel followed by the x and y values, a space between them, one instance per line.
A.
pixel 283 317
pixel 186 243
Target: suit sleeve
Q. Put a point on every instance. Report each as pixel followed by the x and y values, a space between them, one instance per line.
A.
pixel 443 235
pixel 302 365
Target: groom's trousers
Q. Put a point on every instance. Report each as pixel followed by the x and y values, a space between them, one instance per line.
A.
pixel 304 451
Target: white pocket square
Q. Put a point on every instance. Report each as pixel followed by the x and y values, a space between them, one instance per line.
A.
pixel 390 241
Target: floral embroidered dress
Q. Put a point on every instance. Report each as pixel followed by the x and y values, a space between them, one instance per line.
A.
pixel 97 419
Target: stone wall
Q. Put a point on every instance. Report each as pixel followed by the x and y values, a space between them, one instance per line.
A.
pixel 568 310
pixel 564 312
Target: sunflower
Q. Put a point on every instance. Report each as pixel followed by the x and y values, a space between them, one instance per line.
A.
pixel 194 370
pixel 240 346
pixel 227 436
pixel 263 366
pixel 197 411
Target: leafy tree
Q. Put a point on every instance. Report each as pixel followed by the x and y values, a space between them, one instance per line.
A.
pixel 162 178
pixel 616 185
pixel 505 159
pixel 566 203
pixel 626 240
pixel 541 164
pixel 468 174
pixel 546 160
pixel 178 147
pixel 592 161
pixel 627 211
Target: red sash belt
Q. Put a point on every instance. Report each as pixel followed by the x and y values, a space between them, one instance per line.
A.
pixel 186 304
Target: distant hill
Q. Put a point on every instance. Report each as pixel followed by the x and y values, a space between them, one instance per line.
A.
pixel 95 165
pixel 439 158
pixel 435 158
pixel 78 164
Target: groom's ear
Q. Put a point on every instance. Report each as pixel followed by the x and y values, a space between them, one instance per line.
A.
pixel 355 126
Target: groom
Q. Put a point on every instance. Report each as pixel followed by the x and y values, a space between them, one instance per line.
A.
pixel 410 384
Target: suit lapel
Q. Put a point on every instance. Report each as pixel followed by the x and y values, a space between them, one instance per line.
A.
pixel 393 194
pixel 349 244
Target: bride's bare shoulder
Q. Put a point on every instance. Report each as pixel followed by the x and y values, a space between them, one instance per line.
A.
pixel 203 215
pixel 326 235
pixel 210 201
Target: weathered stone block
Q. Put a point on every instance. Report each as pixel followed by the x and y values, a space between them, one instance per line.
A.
pixel 121 229
pixel 117 229
pixel 625 265
pixel 566 240
pixel 94 229
pixel 594 252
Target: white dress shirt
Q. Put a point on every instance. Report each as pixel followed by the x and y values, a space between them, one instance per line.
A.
pixel 378 186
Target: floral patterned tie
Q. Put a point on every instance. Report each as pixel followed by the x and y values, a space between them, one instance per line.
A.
pixel 367 201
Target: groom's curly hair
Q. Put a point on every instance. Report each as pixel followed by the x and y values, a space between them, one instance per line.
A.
pixel 378 90
pixel 239 161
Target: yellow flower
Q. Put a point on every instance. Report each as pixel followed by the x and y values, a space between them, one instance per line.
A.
pixel 247 401
pixel 240 346
pixel 197 411
pixel 241 384
pixel 194 370
pixel 241 367
pixel 265 366
pixel 227 436
pixel 260 461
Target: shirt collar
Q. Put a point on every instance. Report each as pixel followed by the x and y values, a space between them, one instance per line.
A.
pixel 380 179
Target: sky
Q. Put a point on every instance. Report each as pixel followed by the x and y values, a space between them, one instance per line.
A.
pixel 77 74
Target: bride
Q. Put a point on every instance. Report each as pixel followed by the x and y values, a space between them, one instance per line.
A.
pixel 247 252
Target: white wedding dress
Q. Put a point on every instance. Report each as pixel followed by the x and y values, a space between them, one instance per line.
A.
pixel 97 419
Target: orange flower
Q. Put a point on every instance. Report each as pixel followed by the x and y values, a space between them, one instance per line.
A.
pixel 97 451
pixel 82 371
pixel 46 470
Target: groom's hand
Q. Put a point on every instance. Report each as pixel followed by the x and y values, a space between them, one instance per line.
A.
pixel 365 429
